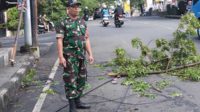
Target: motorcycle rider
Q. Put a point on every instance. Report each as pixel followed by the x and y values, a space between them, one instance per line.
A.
pixel 86 14
pixel 46 22
pixel 118 11
pixel 105 11
pixel 105 15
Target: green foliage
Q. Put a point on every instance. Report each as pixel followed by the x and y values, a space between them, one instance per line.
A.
pixel 28 78
pixel 91 4
pixel 140 87
pixel 88 86
pixel 134 69
pixel 176 94
pixel 187 27
pixel 162 84
pixel 13 19
pixel 190 74
pixel 166 55
pixel 136 43
pixel 101 78
pixel 136 3
pixel 54 10
pixel 121 58
pixel 50 91
pixel 100 66
pixel 106 1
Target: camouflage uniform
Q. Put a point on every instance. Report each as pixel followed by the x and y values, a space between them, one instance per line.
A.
pixel 74 46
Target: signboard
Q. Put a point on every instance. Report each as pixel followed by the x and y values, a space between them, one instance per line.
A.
pixel 127 8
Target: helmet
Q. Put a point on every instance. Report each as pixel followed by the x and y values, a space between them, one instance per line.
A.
pixel 118 4
pixel 86 7
pixel 104 5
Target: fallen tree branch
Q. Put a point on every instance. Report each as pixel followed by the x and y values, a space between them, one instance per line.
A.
pixel 112 74
pixel 176 68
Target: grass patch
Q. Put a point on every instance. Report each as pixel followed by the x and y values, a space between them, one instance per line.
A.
pixel 28 79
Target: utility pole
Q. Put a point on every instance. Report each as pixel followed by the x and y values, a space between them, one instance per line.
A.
pixel 34 16
pixel 27 25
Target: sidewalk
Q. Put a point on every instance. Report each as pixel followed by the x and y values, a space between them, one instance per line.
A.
pixel 10 79
pixel 12 76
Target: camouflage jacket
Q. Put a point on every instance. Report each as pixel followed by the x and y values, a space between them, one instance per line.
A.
pixel 73 33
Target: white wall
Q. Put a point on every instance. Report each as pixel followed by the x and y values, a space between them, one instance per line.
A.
pixel 149 4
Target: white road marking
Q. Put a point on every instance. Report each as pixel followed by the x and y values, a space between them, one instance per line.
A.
pixel 43 95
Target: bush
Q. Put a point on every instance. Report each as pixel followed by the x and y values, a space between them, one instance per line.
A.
pixel 13 19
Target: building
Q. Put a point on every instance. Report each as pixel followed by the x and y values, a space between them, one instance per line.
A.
pixel 159 5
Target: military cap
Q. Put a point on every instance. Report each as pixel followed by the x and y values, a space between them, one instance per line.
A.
pixel 72 3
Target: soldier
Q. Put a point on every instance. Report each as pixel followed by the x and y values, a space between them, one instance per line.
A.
pixel 73 43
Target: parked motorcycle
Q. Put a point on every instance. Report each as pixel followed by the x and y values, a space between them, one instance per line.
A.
pixel 119 21
pixel 41 27
pixel 105 21
pixel 44 29
pixel 51 26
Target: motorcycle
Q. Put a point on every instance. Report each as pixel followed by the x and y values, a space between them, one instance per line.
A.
pixel 86 17
pixel 119 21
pixel 105 21
pixel 41 27
pixel 51 26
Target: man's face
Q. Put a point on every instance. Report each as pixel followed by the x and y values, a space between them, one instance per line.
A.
pixel 74 10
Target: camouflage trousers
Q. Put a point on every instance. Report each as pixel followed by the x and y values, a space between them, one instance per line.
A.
pixel 74 77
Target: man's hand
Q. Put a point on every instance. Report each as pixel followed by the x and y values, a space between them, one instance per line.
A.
pixel 62 62
pixel 91 59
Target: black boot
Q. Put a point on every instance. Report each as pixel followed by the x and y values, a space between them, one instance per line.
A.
pixel 81 105
pixel 72 105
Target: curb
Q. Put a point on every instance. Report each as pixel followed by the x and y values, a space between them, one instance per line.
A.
pixel 173 16
pixel 4 56
pixel 10 88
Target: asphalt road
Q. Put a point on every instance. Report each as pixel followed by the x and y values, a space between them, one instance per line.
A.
pixel 104 41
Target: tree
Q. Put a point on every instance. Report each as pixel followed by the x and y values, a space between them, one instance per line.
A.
pixel 138 4
pixel 54 9
pixel 91 4
pixel 106 1
pixel 13 18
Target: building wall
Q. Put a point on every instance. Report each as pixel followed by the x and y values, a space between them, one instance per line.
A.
pixel 2 21
pixel 149 4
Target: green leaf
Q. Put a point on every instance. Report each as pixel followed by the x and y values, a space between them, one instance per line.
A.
pixel 176 94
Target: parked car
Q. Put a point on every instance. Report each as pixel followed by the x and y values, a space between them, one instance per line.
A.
pixel 97 13
pixel 196 8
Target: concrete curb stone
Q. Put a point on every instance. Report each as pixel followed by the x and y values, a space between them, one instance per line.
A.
pixel 173 16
